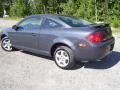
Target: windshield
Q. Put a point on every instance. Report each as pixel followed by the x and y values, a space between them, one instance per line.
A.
pixel 73 22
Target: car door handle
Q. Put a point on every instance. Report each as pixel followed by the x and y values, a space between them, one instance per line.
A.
pixel 33 34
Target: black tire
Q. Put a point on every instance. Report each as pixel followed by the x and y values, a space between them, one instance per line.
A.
pixel 71 61
pixel 6 38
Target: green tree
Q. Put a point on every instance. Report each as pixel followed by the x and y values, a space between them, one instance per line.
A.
pixel 17 8
pixel 69 8
pixel 85 9
pixel 1 9
pixel 4 5
pixel 38 6
pixel 78 8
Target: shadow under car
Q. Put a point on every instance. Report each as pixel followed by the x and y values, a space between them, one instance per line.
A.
pixel 106 63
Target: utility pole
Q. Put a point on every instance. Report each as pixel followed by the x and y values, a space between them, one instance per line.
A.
pixel 96 11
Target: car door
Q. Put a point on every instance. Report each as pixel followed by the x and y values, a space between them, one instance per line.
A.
pixel 26 36
pixel 48 34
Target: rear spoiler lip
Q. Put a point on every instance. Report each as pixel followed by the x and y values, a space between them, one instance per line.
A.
pixel 100 25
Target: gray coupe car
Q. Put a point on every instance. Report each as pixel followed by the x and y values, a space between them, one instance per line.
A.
pixel 64 38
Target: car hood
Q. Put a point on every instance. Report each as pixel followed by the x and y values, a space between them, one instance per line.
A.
pixel 5 29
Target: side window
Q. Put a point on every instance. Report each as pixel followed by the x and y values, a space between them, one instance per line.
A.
pixel 31 23
pixel 51 24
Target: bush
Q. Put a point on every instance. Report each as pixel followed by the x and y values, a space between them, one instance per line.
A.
pixel 116 23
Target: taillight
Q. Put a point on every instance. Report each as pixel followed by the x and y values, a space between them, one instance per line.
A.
pixel 94 37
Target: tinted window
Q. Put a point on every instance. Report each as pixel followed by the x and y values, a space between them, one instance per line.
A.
pixel 74 22
pixel 31 23
pixel 51 24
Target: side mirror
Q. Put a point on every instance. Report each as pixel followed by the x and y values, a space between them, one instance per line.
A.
pixel 15 27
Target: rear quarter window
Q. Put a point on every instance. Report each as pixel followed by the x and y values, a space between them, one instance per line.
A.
pixel 51 24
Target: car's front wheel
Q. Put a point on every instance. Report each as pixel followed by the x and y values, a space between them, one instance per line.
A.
pixel 64 57
pixel 6 44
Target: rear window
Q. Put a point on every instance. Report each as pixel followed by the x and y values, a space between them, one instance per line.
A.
pixel 73 22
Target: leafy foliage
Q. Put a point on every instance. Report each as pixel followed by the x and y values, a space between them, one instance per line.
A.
pixel 17 8
pixel 107 10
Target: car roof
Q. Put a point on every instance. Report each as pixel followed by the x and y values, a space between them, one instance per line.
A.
pixel 46 15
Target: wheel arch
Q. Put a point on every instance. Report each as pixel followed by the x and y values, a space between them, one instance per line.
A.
pixel 2 36
pixel 57 44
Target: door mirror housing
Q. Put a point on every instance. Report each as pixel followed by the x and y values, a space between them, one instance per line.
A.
pixel 16 27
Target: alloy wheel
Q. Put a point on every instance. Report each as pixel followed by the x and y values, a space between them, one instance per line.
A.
pixel 6 44
pixel 62 58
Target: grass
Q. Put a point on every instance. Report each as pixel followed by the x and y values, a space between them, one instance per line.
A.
pixel 12 18
pixel 116 31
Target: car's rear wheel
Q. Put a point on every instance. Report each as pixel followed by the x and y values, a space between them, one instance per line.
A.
pixel 6 44
pixel 64 57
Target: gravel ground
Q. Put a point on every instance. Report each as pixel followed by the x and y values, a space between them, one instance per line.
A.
pixel 20 70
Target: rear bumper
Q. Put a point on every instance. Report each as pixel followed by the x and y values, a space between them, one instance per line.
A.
pixel 94 51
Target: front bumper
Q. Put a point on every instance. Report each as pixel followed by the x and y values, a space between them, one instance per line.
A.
pixel 94 51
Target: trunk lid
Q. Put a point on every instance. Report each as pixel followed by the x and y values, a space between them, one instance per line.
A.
pixel 104 29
